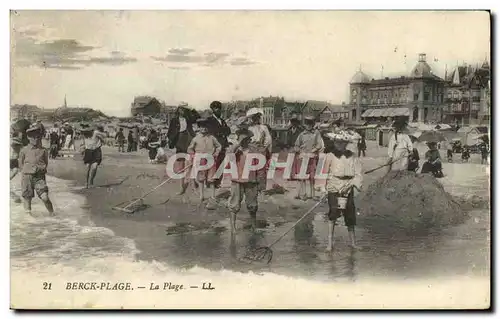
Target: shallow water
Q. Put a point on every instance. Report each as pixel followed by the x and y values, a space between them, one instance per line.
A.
pixel 72 245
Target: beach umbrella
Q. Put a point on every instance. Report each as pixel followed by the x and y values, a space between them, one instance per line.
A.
pixel 432 136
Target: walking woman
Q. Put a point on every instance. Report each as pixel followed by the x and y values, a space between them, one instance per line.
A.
pixel 92 154
pixel 180 133
pixel 400 147
pixel 308 145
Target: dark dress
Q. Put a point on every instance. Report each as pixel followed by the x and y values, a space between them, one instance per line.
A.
pixel 413 161
pixel 220 130
pixel 153 144
pixel 429 167
pixel 180 140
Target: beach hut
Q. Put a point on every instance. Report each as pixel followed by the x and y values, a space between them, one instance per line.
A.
pixel 383 135
pixel 469 134
pixel 370 131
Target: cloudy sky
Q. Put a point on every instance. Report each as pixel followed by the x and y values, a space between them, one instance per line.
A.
pixel 102 59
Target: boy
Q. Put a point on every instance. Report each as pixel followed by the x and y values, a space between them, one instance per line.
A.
pixel 92 153
pixel 204 143
pixel 344 176
pixel 33 161
pixel 309 142
pixel 247 186
pixel 465 154
pixel 15 147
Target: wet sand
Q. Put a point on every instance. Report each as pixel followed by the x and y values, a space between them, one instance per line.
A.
pixel 182 234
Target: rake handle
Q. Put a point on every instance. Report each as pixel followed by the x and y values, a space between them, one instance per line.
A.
pixel 298 221
pixel 155 188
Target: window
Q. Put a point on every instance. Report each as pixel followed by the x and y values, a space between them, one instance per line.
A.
pixel 426 96
pixel 415 97
pixel 449 95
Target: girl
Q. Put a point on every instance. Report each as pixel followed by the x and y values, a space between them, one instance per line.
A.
pixel 433 161
pixel 204 143
pixel 344 177
pixel 153 145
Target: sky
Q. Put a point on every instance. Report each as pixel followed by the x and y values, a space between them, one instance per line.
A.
pixel 103 59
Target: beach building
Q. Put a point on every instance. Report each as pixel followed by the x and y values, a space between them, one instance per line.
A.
pixel 416 97
pixel 145 105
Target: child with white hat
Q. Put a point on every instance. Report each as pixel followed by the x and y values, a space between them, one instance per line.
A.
pixel 344 177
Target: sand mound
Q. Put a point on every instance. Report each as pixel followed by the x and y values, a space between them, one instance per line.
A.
pixel 403 200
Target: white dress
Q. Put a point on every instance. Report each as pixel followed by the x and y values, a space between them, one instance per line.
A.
pixel 399 150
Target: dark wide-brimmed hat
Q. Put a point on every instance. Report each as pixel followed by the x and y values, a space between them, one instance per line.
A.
pixel 399 124
pixel 201 121
pixel 309 118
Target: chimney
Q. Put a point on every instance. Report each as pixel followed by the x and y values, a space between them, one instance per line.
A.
pixel 422 57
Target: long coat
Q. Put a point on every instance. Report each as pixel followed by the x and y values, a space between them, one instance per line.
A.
pixel 219 130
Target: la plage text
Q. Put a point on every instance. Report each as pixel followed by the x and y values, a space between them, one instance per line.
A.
pixel 99 286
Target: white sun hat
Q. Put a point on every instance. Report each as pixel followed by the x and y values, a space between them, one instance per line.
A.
pixel 340 136
pixel 255 110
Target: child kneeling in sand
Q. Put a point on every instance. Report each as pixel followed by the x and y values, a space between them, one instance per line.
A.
pixel 33 161
pixel 247 186
pixel 204 143
pixel 343 179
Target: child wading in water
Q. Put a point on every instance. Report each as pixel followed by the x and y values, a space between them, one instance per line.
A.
pixel 344 178
pixel 92 154
pixel 33 161
pixel 247 186
pixel 204 143
pixel 15 147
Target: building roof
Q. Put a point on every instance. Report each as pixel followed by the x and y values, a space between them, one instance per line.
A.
pixel 386 112
pixel 141 101
pixel 421 69
pixel 360 77
pixel 313 105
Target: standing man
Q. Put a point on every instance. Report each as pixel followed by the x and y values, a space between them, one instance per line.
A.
pixel 260 142
pixel 218 128
pixel 120 138
pixel 135 137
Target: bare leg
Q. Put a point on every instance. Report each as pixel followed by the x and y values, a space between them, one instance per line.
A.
pixel 93 172
pixel 202 191
pixel 301 190
pixel 88 175
pixel 311 186
pixel 48 204
pixel 213 191
pixel 232 217
pixel 352 237
pixel 331 240
pixel 27 205
pixel 253 221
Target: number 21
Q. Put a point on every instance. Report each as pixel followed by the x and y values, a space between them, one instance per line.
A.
pixel 47 286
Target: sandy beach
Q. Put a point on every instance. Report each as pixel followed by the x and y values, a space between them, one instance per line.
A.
pixel 178 240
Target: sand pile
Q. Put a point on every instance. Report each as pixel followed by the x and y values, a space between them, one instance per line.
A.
pixel 403 200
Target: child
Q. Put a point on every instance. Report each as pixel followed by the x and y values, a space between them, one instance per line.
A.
pixel 92 154
pixel 414 158
pixel 433 161
pixel 153 143
pixel 54 144
pixel 33 161
pixel 344 176
pixel 465 153
pixel 15 147
pixel 204 143
pixel 483 148
pixel 449 151
pixel 247 186
pixel 309 142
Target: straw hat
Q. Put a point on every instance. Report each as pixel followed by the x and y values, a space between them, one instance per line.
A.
pixel 254 111
pixel 342 136
pixel 34 128
pixel 16 141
